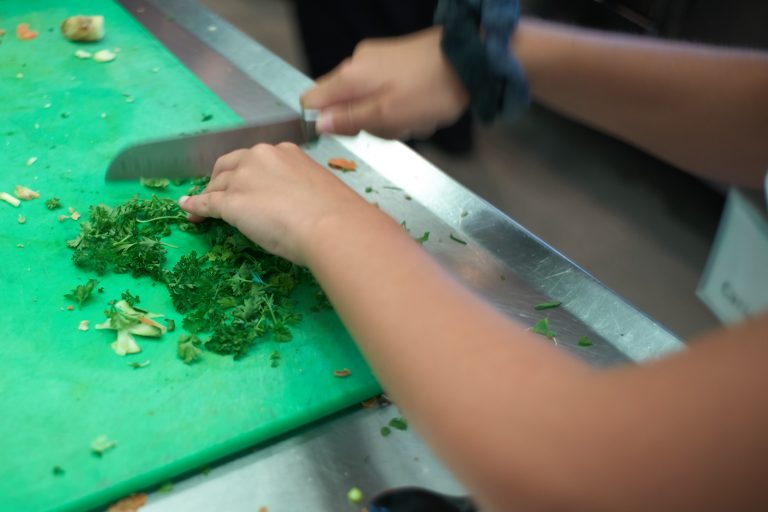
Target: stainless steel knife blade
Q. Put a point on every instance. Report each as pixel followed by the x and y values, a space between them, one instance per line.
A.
pixel 194 155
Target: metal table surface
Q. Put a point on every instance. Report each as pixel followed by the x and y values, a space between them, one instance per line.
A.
pixel 313 468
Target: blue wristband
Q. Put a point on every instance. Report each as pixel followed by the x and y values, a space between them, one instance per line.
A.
pixel 491 74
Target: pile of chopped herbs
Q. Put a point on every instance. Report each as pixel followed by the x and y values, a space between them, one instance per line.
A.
pixel 234 292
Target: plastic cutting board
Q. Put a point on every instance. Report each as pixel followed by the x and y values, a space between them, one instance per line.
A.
pixel 61 120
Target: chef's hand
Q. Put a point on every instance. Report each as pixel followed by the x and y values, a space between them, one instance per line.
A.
pixel 393 88
pixel 276 196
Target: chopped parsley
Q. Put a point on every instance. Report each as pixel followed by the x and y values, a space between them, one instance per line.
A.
pixel 584 341
pixel 399 423
pixel 423 238
pixel 156 183
pixel 542 328
pixel 234 291
pixel 457 239
pixel 53 203
pixel 82 292
pixel 547 305
pixel 188 348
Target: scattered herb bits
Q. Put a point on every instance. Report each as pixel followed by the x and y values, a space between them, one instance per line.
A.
pixel 423 238
pixel 274 359
pixel 232 290
pixel 584 341
pixel 342 373
pixel 457 239
pixel 385 431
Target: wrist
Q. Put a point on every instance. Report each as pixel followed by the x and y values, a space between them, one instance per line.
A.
pixel 476 38
pixel 333 236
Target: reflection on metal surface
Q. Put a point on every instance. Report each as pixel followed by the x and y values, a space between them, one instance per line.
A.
pixel 501 261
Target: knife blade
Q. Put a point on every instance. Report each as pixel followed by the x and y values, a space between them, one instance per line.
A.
pixel 194 155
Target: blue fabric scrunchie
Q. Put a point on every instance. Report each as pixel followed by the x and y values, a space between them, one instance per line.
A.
pixel 492 75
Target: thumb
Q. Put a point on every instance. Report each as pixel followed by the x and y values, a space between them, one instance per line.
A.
pixel 371 114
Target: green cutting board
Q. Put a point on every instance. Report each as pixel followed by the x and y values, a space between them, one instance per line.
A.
pixel 60 387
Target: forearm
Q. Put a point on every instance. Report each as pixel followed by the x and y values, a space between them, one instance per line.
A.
pixel 464 374
pixel 524 425
pixel 701 108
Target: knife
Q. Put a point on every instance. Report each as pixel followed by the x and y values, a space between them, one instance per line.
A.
pixel 194 155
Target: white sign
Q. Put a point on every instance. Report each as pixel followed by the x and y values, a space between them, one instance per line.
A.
pixel 735 281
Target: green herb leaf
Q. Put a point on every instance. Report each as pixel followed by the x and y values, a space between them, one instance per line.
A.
pixel 584 341
pixel 53 203
pixel 542 328
pixel 385 431
pixel 82 292
pixel 457 239
pixel 156 183
pixel 547 305
pixel 423 238
pixel 132 300
pixel 188 348
pixel 399 423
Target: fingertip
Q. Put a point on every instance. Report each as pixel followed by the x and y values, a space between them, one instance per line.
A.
pixel 308 100
pixel 324 123
pixel 183 200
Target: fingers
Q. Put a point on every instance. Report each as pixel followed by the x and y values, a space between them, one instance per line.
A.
pixel 370 114
pixel 345 83
pixel 207 204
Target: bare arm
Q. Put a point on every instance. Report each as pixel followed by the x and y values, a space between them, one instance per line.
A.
pixel 524 425
pixel 702 108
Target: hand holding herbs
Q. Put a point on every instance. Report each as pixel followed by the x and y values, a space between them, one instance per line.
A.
pixel 233 293
pixel 276 196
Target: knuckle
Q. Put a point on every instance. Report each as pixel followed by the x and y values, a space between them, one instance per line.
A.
pixel 287 146
pixel 262 149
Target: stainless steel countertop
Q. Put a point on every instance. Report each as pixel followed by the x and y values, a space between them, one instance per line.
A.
pixel 314 467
